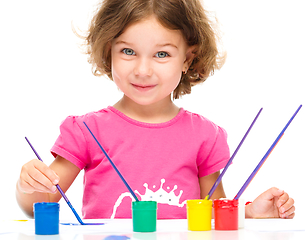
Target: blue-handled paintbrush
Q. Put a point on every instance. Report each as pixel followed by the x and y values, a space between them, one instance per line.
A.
pixel 113 165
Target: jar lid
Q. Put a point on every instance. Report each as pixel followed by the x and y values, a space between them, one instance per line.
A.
pixel 46 206
pixel 144 205
pixel 225 203
pixel 199 203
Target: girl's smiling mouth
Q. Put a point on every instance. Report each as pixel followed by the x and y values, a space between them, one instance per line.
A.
pixel 143 88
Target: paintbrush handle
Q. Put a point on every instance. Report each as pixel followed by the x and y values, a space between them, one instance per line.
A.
pixel 232 157
pixel 243 188
pixel 69 204
pixel 62 193
pixel 37 155
pixel 113 165
pixel 58 187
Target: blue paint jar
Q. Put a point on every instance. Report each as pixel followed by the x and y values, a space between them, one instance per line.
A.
pixel 46 218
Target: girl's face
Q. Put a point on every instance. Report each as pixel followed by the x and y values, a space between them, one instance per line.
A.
pixel 148 60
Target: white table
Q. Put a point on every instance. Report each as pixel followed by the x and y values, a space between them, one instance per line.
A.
pixel 263 229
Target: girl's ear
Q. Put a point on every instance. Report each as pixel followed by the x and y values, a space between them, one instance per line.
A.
pixel 190 55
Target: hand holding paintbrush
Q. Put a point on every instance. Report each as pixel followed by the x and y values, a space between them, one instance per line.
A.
pixel 43 185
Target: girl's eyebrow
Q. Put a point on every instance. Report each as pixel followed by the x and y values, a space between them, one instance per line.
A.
pixel 167 44
pixel 158 45
pixel 122 42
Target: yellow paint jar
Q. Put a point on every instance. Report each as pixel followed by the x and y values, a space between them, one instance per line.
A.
pixel 199 214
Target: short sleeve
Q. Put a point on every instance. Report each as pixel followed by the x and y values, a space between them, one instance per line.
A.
pixel 71 143
pixel 214 153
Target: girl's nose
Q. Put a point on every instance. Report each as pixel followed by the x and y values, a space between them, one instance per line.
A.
pixel 143 68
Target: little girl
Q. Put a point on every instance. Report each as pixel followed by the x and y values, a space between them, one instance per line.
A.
pixel 154 51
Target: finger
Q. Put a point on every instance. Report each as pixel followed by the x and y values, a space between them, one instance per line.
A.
pixel 29 185
pixel 286 206
pixel 271 193
pixel 37 187
pixel 36 176
pixel 38 183
pixel 291 216
pixel 283 200
pixel 48 172
pixel 24 187
pixel 289 213
pixel 25 180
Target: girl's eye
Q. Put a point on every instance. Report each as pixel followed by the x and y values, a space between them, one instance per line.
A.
pixel 128 51
pixel 162 54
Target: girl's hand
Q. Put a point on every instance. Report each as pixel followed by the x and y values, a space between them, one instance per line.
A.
pixel 273 203
pixel 36 176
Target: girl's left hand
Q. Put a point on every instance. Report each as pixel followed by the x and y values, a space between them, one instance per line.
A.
pixel 273 203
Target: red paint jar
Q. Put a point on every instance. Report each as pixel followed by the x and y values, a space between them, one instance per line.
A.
pixel 226 214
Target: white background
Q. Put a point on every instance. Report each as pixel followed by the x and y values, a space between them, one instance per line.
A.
pixel 45 77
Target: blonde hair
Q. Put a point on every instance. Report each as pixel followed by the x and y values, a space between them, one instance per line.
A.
pixel 188 16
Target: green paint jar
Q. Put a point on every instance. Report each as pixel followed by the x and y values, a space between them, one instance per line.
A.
pixel 144 216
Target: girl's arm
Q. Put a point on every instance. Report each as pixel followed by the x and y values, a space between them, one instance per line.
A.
pixel 37 182
pixel 207 182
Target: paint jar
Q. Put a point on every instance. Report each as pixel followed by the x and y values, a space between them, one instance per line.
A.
pixel 199 214
pixel 46 218
pixel 226 214
pixel 241 213
pixel 144 216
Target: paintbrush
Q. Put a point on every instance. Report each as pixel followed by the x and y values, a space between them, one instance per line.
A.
pixel 63 194
pixel 243 188
pixel 231 159
pixel 113 165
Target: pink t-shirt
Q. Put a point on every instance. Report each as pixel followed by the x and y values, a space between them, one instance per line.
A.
pixel 160 162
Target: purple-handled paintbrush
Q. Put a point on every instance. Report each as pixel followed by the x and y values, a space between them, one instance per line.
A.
pixel 63 194
pixel 243 188
pixel 231 159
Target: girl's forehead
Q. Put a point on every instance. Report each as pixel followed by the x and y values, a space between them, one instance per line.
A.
pixel 151 27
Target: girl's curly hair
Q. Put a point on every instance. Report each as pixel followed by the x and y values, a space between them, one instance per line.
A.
pixel 188 16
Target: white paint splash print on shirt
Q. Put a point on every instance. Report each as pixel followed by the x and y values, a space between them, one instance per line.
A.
pixel 160 196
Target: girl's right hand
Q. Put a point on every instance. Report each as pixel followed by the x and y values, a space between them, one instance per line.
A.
pixel 36 176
